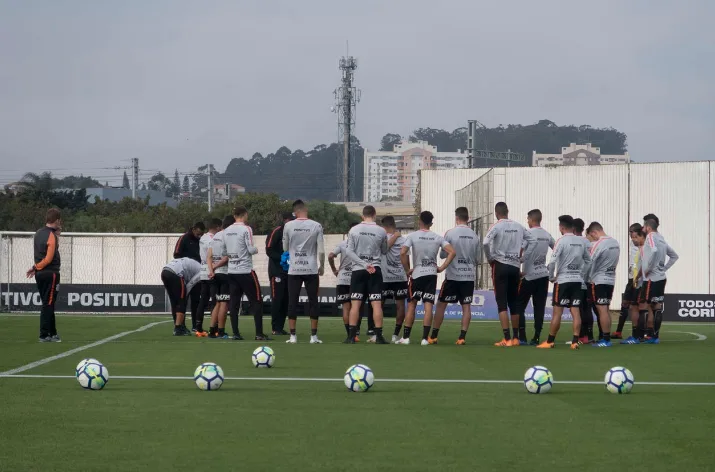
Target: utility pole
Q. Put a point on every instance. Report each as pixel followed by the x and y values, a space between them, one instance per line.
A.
pixel 209 167
pixel 135 177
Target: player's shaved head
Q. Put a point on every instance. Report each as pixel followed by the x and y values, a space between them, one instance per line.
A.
pixel 501 210
pixel 535 215
pixel 462 214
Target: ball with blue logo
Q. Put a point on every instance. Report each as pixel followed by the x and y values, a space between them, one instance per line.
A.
pixel 619 380
pixel 92 374
pixel 263 357
pixel 359 378
pixel 538 379
pixel 208 376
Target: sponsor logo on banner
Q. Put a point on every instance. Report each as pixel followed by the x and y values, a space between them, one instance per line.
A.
pixel 696 308
pixel 78 298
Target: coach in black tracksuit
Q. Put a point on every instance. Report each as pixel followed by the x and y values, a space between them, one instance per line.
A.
pixel 278 276
pixel 46 271
pixel 188 246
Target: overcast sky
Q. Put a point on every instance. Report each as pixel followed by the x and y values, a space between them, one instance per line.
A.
pixel 178 83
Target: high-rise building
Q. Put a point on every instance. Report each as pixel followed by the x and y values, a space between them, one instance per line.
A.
pixel 392 175
pixel 579 155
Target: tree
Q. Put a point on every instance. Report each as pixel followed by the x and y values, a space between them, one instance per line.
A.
pixel 389 141
pixel 161 183
pixel 125 180
pixel 177 184
pixel 185 186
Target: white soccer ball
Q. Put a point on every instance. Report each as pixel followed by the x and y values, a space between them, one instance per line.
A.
pixel 619 380
pixel 359 378
pixel 263 357
pixel 81 364
pixel 91 374
pixel 538 379
pixel 208 376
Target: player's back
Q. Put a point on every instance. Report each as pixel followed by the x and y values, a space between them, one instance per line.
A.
pixel 346 265
pixel 425 246
pixel 569 259
pixel 204 244
pixel 534 266
pixel 369 242
pixel 605 254
pixel 504 241
pixel 655 252
pixel 184 267
pixel 303 237
pixel 218 252
pixel 238 239
pixel 392 269
pixel 466 246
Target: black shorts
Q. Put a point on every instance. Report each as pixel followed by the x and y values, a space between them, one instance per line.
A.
pixel 176 290
pixel 652 292
pixel 222 287
pixel 365 285
pixel 456 291
pixel 423 288
pixel 630 294
pixel 537 289
pixel 312 288
pixel 395 290
pixel 342 293
pixel 506 280
pixel 601 294
pixel 567 295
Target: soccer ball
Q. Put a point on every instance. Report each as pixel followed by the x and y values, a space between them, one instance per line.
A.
pixel 208 376
pixel 359 378
pixel 619 380
pixel 263 357
pixel 538 379
pixel 91 374
pixel 82 363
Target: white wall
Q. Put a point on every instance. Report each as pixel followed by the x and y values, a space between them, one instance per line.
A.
pixel 594 193
pixel 681 194
pixel 437 193
pixel 678 194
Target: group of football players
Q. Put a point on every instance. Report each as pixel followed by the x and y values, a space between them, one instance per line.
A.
pixel 375 266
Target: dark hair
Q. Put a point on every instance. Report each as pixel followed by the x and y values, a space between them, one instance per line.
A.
pixel 388 221
pixel 501 209
pixel 652 224
pixel 639 232
pixel 369 211
pixel 566 221
pixel 651 216
pixel 228 220
pixel 199 225
pixel 578 225
pixel 594 226
pixel 286 215
pixel 53 215
pixel 299 205
pixel 426 217
pixel 214 223
pixel 535 215
pixel 462 214
pixel 239 211
pixel 635 227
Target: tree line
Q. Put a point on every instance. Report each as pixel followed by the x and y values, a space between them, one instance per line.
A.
pixel 26 212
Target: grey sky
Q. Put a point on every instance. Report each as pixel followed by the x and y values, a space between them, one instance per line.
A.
pixel 181 83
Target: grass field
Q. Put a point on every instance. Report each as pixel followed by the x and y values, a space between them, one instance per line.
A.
pixel 429 409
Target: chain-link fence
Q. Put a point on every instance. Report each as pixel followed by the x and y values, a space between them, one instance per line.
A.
pixel 478 198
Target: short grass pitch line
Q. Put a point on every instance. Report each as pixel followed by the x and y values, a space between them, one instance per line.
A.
pixel 321 379
pixel 61 355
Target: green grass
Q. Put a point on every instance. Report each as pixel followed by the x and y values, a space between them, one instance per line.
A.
pixel 264 425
